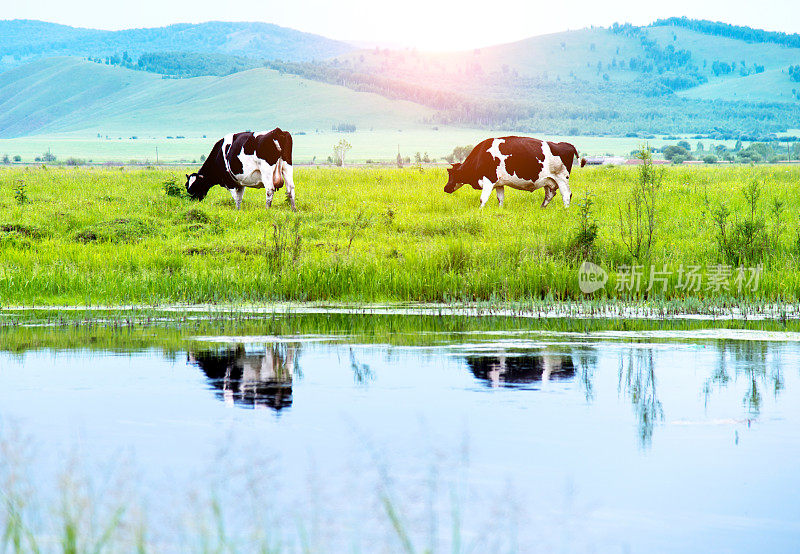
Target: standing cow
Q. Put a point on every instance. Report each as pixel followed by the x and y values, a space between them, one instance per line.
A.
pixel 239 160
pixel 518 162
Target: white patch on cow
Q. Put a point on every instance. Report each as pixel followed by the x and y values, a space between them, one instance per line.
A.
pixel 278 146
pixel 288 179
pixel 486 190
pixel 227 141
pixel 238 194
pixel 192 179
pixel 252 170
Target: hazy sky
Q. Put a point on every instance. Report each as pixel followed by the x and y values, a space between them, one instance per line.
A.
pixel 422 23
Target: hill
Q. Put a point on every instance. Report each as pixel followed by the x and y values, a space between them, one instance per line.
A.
pixel 26 40
pixel 67 94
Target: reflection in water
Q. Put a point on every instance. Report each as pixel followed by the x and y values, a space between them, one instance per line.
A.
pixel 509 369
pixel 252 380
pixel 750 359
pixel 637 379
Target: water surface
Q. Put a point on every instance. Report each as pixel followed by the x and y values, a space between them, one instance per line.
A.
pixel 503 440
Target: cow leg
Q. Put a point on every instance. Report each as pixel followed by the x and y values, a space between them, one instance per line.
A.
pixel 288 178
pixel 486 186
pixel 270 189
pixel 549 193
pixel 501 194
pixel 566 194
pixel 238 194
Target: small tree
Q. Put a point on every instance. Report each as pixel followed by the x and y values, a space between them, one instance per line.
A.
pixel 637 216
pixel 340 150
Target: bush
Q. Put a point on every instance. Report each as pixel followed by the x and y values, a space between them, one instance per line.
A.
pixel 744 242
pixel 75 161
pixel 17 158
pixel 20 192
pixel 637 221
pixel 672 152
pixel 710 159
pixel 173 188
pixel 582 242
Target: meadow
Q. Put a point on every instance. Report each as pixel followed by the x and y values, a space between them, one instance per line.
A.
pixel 113 236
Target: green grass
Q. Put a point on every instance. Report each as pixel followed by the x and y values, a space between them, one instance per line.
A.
pixel 112 236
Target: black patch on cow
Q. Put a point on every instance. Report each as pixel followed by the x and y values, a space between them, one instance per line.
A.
pixel 525 157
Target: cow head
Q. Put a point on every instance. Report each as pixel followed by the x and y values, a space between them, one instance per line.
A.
pixel 197 186
pixel 454 178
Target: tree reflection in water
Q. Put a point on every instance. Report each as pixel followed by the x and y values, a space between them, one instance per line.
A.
pixel 251 380
pixel 750 360
pixel 637 380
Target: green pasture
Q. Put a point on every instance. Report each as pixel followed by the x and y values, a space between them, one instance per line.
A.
pixel 110 236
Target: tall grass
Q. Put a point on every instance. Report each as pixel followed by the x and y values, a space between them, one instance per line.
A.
pixel 87 236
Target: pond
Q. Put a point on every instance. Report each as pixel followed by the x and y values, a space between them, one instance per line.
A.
pixel 503 439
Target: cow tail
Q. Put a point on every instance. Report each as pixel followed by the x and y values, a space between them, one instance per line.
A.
pixel 583 160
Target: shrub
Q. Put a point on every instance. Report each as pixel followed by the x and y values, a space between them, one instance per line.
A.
pixel 174 188
pixel 637 221
pixel 17 158
pixel 744 242
pixel 582 242
pixel 710 159
pixel 20 192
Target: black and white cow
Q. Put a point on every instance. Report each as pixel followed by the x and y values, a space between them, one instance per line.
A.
pixel 518 162
pixel 239 160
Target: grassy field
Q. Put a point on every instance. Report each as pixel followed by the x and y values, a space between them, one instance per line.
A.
pixel 113 236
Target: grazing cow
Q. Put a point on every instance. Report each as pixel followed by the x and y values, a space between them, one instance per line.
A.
pixel 239 160
pixel 518 162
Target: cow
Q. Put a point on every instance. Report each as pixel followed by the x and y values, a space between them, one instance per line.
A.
pixel 239 160
pixel 518 162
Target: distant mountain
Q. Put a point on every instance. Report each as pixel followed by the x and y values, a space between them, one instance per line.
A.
pixel 60 95
pixel 676 76
pixel 25 40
